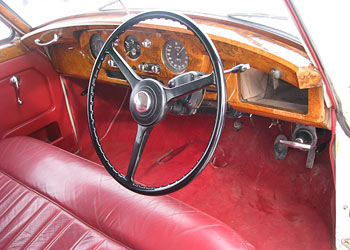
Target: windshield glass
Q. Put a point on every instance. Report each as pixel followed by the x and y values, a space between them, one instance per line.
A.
pixel 271 13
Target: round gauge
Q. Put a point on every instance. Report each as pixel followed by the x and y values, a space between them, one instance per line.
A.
pixel 132 47
pixel 175 56
pixel 96 43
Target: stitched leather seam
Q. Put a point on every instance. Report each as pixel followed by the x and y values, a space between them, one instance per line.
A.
pixel 57 236
pixel 65 210
pixel 27 223
pixel 5 184
pixel 80 240
pixel 44 226
pixel 22 210
pixel 99 244
pixel 20 197
pixel 10 192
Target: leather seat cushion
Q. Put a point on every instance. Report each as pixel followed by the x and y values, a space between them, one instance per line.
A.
pixel 51 198
pixel 29 220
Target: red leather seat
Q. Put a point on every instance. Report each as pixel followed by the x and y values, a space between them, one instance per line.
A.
pixel 52 199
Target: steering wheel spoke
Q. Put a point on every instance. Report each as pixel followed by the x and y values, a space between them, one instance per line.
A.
pixel 172 94
pixel 124 67
pixel 139 146
pixel 150 102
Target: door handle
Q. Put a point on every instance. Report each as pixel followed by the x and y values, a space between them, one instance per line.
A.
pixel 14 81
pixel 54 39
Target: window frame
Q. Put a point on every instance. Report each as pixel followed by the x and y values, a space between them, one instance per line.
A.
pixel 11 36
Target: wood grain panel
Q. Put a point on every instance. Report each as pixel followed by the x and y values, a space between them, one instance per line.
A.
pixel 296 68
pixel 72 56
pixel 317 114
pixel 12 50
pixel 152 54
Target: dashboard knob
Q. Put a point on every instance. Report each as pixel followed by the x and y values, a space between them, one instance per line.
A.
pixel 112 64
pixel 141 67
pixel 146 43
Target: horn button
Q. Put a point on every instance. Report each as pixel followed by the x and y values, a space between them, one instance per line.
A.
pixel 148 102
pixel 142 102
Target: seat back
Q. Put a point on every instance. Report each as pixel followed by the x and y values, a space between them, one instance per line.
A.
pixel 86 191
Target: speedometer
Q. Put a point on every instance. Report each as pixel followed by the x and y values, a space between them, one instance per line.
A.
pixel 175 56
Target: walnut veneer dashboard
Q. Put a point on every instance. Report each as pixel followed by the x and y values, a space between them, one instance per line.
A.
pixel 282 83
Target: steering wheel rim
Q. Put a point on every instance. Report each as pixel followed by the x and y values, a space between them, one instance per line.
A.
pixel 217 77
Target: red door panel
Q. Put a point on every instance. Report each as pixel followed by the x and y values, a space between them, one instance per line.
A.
pixel 43 113
pixel 35 94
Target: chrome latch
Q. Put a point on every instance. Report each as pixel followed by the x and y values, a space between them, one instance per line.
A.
pixel 14 81
pixel 53 40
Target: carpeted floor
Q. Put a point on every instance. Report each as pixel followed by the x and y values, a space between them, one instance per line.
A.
pixel 273 204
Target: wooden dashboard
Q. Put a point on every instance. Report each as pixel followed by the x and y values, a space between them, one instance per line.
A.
pixel 72 56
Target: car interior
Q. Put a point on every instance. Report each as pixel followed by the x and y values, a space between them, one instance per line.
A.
pixel 162 131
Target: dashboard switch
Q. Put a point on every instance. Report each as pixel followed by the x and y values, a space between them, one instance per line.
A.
pixel 149 68
pixel 112 64
pixel 155 69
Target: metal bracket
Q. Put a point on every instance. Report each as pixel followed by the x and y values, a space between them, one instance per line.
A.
pixel 304 138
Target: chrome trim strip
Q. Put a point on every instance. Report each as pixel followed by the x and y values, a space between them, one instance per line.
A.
pixel 70 113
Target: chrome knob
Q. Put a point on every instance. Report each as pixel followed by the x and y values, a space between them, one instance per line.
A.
pixel 155 69
pixel 112 64
pixel 141 67
pixel 146 43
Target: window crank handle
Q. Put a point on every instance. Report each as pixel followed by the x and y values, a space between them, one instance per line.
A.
pixel 14 81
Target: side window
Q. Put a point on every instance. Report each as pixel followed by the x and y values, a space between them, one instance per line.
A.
pixel 6 33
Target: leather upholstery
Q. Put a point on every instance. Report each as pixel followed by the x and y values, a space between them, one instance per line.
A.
pixel 51 198
pixel 30 221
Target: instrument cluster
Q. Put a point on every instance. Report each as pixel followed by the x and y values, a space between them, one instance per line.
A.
pixel 173 53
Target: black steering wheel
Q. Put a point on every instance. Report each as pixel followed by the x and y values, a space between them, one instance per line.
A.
pixel 150 102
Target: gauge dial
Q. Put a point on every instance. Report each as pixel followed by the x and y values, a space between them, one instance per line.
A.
pixel 175 56
pixel 96 43
pixel 132 47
